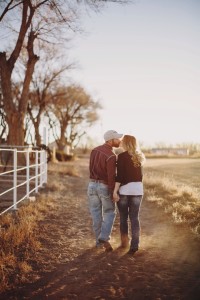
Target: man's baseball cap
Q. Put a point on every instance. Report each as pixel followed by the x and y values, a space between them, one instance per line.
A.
pixel 112 134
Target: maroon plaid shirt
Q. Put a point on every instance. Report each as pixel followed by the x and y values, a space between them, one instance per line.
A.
pixel 103 165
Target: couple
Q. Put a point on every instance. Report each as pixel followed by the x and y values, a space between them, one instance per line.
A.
pixel 116 180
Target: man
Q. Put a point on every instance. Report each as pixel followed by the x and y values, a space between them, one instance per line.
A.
pixel 102 170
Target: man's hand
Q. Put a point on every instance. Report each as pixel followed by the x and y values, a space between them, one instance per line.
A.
pixel 115 197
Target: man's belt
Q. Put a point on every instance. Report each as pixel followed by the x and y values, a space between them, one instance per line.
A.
pixel 98 181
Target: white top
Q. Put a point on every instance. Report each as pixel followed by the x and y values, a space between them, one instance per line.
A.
pixel 132 188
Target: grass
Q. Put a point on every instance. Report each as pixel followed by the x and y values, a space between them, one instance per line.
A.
pixel 19 230
pixel 181 202
pixel 19 242
pixel 63 169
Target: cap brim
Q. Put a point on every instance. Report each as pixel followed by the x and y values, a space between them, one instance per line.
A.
pixel 119 135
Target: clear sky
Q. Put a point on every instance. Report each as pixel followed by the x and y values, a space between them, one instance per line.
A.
pixel 142 62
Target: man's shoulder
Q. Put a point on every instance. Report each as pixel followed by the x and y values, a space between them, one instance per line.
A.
pixel 105 150
pixel 102 147
pixel 98 147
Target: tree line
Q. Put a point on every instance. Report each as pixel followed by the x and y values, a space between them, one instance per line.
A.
pixel 35 83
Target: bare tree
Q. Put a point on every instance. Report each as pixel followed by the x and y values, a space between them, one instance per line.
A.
pixel 45 82
pixel 75 111
pixel 38 18
pixel 48 20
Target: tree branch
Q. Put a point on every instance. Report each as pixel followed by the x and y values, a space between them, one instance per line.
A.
pixel 25 24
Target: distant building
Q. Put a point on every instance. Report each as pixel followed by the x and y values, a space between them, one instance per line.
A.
pixel 172 151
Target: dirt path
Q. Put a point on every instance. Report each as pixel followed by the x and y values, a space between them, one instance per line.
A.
pixel 70 267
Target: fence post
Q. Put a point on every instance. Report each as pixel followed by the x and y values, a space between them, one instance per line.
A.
pixel 45 167
pixel 45 136
pixel 41 167
pixel 36 171
pixel 15 180
pixel 27 173
pixel 40 176
pixel 44 155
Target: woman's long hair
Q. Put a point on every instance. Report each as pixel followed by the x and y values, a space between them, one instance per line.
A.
pixel 130 144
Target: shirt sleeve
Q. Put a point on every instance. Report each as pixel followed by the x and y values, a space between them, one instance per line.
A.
pixel 111 171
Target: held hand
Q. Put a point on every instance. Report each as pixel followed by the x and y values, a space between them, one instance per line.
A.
pixel 115 197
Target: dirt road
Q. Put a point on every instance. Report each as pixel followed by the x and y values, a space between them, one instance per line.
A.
pixel 70 267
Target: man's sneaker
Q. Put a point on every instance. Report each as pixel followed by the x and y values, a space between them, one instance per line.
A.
pixel 107 245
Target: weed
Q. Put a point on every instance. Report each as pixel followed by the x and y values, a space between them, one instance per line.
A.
pixel 178 200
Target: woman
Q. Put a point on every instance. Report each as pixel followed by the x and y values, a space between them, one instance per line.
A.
pixel 128 191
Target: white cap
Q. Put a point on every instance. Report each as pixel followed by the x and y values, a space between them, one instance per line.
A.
pixel 112 134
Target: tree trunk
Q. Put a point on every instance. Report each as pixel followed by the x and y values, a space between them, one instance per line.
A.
pixel 37 134
pixel 16 128
pixel 62 142
pixel 15 117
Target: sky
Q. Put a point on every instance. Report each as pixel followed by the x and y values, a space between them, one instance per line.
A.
pixel 142 63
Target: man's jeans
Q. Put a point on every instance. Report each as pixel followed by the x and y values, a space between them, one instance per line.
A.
pixel 129 206
pixel 102 210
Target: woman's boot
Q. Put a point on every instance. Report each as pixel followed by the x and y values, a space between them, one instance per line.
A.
pixel 124 241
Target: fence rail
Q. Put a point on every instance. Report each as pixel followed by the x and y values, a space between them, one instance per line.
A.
pixel 22 173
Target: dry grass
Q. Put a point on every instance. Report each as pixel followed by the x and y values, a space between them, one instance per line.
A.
pixel 63 169
pixel 178 200
pixel 67 266
pixel 19 240
pixel 19 231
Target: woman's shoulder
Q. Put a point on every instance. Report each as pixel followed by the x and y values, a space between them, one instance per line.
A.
pixel 123 154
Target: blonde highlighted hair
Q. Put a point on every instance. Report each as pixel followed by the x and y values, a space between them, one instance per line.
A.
pixel 130 144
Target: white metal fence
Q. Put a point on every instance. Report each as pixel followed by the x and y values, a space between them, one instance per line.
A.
pixel 22 172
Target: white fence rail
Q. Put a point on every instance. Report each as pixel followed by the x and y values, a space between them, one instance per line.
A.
pixel 23 176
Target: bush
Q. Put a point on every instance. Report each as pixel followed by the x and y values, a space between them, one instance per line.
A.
pixel 62 156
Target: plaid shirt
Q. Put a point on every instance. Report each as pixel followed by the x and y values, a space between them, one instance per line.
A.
pixel 103 165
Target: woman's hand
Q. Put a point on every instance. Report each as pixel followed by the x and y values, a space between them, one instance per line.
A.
pixel 115 197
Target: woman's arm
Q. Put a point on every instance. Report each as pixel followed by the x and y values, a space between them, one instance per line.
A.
pixel 115 192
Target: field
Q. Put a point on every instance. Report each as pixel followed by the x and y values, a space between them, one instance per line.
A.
pixel 183 171
pixel 48 247
pixel 173 184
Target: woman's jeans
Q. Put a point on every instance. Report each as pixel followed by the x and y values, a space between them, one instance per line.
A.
pixel 129 206
pixel 102 209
